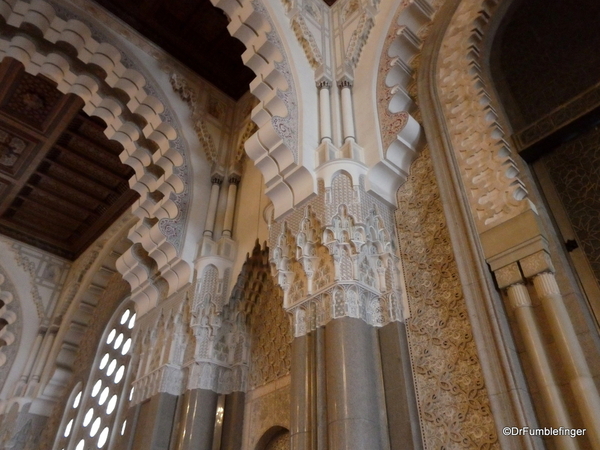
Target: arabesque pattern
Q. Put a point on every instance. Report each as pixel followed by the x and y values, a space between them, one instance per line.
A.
pixel 452 399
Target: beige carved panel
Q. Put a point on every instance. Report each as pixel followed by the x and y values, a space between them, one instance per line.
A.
pixel 453 402
pixel 279 442
pixel 271 337
pixel 266 408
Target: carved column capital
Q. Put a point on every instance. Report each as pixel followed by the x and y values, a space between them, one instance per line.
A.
pixel 508 275
pixel 324 84
pixel 234 178
pixel 216 178
pixel 518 296
pixel 345 82
pixel 537 263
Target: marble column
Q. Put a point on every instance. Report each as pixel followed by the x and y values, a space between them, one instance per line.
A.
pixel 324 110
pixel 354 387
pixel 572 355
pixel 301 436
pixel 234 181
pixel 155 423
pixel 209 227
pixel 552 399
pixel 197 424
pixel 400 398
pixel 233 421
pixel 347 111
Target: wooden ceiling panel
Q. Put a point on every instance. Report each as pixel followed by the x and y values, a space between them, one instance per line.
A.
pixel 194 32
pixel 16 150
pixel 61 181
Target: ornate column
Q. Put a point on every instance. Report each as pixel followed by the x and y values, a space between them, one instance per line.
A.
pixel 537 268
pixel 42 357
pixel 509 277
pixel 25 377
pixel 216 180
pixel 234 181
pixel 335 261
pixel 347 111
pixel 324 87
pixel 569 347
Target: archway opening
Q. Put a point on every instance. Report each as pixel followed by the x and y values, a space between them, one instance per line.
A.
pixel 545 68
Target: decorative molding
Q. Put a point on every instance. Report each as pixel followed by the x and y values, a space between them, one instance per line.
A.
pixel 189 96
pixel 508 275
pixel 240 153
pixel 47 273
pixel 402 136
pixel 536 263
pixel 307 41
pixel 359 38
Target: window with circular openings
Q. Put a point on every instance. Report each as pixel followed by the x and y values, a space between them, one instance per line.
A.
pixel 96 411
pixel 70 415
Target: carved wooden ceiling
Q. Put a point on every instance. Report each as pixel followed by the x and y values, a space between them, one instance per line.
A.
pixel 61 181
pixel 194 32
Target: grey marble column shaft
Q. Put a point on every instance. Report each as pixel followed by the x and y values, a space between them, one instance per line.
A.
pixel 400 398
pixel 233 421
pixel 155 423
pixel 355 402
pixel 197 425
pixel 301 394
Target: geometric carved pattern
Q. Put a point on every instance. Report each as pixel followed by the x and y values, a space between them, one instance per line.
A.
pixel 452 398
pixel 268 323
pixel 11 148
pixel 279 442
pixel 575 170
pixel 541 75
pixel 268 411
pixel 346 268
pixel 190 96
pixel 270 335
pixel 33 100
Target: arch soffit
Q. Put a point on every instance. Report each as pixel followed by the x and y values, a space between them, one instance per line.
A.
pixel 93 71
pixel 402 137
pixel 274 148
pixel 470 121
